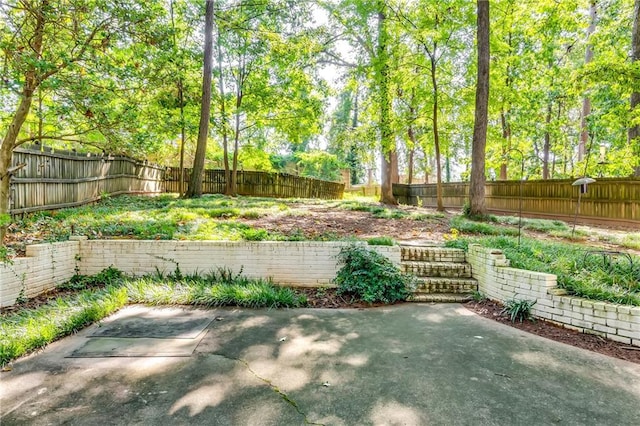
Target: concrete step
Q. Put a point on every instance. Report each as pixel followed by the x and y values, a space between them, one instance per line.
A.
pixel 446 285
pixel 441 298
pixel 437 269
pixel 432 254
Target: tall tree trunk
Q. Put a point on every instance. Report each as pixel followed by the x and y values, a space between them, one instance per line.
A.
pixel 436 135
pixel 228 189
pixel 586 102
pixel 412 136
pixel 236 144
pixel 634 130
pixel 478 179
pixel 504 118
pixel 195 183
pixel 181 100
pixel 352 157
pixel 506 144
pixel 389 158
pixel 547 144
pixel 410 160
pixel 183 134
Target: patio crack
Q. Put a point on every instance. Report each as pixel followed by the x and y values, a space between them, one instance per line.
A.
pixel 275 389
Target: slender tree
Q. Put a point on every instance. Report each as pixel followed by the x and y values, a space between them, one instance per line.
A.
pixel 634 129
pixel 586 102
pixel 195 182
pixel 389 161
pixel 477 184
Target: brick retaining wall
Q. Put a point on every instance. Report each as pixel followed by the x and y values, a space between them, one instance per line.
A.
pixel 44 266
pixel 303 264
pixel 498 281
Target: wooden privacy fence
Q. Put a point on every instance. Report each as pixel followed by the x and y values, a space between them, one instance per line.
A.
pixel 259 184
pixel 607 199
pixel 53 180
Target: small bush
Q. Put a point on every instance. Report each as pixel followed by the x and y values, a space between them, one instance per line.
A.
pixel 223 213
pixel 371 277
pixel 478 296
pixel 381 241
pixel 107 277
pixel 254 234
pixel 466 209
pixel 251 214
pixel 518 309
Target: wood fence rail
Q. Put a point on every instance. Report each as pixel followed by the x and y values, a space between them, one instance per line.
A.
pixel 53 180
pixel 259 184
pixel 606 200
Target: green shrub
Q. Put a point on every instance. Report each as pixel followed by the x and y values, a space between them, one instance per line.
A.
pixel 381 241
pixel 252 234
pixel 478 296
pixel 466 209
pixel 371 277
pixel 223 213
pixel 518 309
pixel 108 276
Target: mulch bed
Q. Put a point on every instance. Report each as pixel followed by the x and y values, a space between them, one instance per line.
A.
pixel 490 309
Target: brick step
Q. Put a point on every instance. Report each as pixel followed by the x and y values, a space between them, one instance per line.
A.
pixel 432 254
pixel 437 269
pixel 441 298
pixel 446 285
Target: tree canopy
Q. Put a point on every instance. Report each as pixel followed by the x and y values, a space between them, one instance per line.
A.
pixel 361 80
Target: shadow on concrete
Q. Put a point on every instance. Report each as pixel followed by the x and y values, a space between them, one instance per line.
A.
pixel 406 364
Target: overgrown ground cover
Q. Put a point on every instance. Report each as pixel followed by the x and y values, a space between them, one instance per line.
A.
pixel 216 217
pixel 213 217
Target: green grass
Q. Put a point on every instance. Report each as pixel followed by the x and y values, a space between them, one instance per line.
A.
pixel 31 329
pixel 579 272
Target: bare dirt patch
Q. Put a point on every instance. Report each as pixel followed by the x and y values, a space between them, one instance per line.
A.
pixel 318 221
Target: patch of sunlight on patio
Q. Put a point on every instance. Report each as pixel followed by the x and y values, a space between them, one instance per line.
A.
pixel 394 413
pixel 197 400
pixel 257 321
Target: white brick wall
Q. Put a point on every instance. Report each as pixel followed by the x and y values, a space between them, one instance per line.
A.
pixel 499 282
pixel 44 267
pixel 304 264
